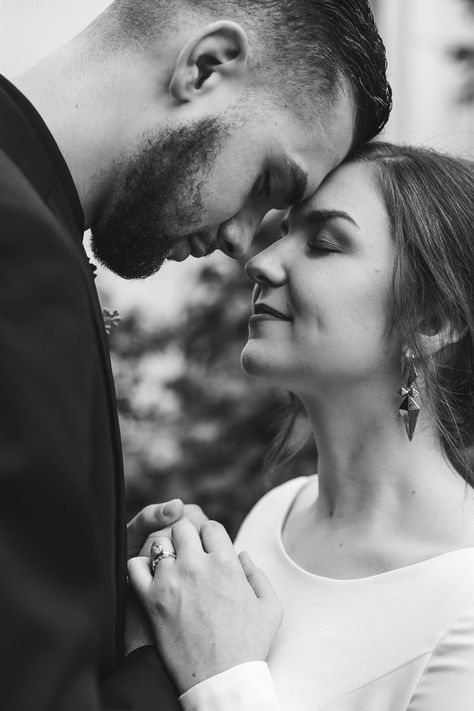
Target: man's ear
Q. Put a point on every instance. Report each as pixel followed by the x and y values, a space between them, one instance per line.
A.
pixel 219 52
pixel 432 336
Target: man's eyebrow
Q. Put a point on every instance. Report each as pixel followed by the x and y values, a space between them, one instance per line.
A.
pixel 299 182
pixel 326 215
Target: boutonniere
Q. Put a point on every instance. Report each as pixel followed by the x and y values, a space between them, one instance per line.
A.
pixel 111 320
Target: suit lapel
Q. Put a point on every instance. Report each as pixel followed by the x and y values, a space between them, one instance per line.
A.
pixel 27 141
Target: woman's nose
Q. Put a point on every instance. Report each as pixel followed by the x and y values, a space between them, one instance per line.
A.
pixel 266 268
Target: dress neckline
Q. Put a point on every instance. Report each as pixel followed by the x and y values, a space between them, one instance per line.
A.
pixel 387 574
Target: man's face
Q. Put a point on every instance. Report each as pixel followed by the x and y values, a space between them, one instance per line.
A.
pixel 207 185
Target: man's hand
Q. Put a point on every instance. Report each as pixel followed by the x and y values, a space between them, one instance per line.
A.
pixel 209 608
pixel 152 518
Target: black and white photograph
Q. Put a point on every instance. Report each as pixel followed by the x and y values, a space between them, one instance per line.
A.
pixel 237 355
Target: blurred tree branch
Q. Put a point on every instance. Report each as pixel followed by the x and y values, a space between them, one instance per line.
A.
pixel 193 425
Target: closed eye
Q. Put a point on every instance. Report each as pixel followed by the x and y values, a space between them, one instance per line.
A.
pixel 320 244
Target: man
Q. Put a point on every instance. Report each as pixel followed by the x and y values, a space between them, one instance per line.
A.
pixel 169 127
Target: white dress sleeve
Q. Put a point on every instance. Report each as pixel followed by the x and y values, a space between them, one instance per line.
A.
pixel 448 678
pixel 246 687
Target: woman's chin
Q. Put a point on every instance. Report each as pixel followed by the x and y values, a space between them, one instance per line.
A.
pixel 258 363
pixel 247 362
pixel 253 364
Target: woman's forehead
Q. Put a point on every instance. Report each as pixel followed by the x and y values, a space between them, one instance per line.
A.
pixel 351 188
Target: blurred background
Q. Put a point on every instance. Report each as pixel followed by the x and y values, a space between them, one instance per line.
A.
pixel 193 425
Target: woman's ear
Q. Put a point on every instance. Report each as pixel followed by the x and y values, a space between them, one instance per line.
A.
pixel 218 53
pixel 432 336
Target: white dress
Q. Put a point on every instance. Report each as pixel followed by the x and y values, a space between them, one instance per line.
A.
pixel 397 641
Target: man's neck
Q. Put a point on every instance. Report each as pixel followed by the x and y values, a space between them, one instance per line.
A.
pixel 67 101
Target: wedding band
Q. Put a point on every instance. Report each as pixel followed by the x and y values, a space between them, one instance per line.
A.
pixel 159 554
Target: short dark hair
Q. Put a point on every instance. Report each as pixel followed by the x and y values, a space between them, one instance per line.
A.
pixel 323 45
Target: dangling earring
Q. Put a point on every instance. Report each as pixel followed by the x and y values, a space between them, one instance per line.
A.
pixel 409 407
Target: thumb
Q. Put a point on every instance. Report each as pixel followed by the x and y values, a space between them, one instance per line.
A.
pixel 140 576
pixel 256 577
pixel 152 518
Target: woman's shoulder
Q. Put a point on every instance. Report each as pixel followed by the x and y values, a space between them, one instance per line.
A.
pixel 270 511
pixel 285 494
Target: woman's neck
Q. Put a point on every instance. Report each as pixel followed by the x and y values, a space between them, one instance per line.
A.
pixel 382 502
pixel 371 475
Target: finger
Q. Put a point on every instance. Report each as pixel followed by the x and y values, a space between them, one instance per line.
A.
pixel 152 518
pixel 164 541
pixel 256 578
pixel 163 533
pixel 192 513
pixel 140 576
pixel 160 548
pixel 215 538
pixel 196 515
pixel 186 539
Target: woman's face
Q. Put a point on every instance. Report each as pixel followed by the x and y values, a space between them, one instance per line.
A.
pixel 322 292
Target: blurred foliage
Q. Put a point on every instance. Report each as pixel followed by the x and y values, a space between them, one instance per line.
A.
pixel 463 54
pixel 193 425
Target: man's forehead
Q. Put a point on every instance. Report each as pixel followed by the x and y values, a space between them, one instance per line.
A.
pixel 314 148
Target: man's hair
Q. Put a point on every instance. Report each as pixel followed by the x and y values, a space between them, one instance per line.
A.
pixel 307 51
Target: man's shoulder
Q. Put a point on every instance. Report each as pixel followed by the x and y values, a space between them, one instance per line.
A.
pixel 26 215
pixel 18 197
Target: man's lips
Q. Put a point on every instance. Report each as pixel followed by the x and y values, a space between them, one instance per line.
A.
pixel 201 245
pixel 196 245
pixel 179 251
pixel 263 312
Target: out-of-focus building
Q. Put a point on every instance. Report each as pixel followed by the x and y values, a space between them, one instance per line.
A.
pixel 427 82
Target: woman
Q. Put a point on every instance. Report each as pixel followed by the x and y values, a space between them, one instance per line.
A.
pixel 364 310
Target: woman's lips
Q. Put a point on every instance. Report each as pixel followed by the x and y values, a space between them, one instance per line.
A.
pixel 263 312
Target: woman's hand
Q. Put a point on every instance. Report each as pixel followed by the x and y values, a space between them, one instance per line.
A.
pixel 142 533
pixel 209 609
pixel 192 512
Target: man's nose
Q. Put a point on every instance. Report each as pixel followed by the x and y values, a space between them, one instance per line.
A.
pixel 235 236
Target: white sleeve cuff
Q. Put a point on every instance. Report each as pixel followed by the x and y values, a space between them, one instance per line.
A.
pixel 246 687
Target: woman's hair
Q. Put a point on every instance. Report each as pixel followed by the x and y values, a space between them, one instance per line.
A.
pixel 429 199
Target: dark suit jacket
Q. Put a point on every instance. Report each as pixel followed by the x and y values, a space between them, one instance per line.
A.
pixel 62 535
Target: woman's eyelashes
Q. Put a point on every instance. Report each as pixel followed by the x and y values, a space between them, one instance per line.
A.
pixel 323 244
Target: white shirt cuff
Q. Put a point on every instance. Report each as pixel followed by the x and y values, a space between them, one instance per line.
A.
pixel 246 687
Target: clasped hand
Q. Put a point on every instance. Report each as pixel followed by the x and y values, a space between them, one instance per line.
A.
pixel 209 609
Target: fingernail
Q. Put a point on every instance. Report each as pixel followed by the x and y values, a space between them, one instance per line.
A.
pixel 169 507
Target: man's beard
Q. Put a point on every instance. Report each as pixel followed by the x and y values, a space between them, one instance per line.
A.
pixel 159 200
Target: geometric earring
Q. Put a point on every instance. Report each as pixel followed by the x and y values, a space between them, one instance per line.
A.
pixel 409 407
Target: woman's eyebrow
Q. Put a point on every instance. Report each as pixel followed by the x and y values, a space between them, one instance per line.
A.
pixel 319 216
